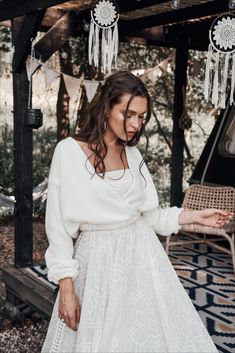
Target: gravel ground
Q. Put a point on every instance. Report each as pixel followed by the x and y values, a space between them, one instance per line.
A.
pixel 24 335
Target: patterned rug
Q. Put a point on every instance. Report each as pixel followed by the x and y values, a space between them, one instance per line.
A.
pixel 207 276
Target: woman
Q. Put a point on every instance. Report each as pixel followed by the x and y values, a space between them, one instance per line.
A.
pixel 118 291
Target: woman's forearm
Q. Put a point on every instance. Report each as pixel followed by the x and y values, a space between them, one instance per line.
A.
pixel 189 217
pixel 210 217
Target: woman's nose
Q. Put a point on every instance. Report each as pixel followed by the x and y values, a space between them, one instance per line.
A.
pixel 134 122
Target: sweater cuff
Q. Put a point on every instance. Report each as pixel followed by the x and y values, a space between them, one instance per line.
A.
pixel 178 211
pixel 63 269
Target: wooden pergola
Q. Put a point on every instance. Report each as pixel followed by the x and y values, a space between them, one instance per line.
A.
pixel 153 22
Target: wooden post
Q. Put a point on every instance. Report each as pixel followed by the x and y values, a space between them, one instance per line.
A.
pixel 23 146
pixel 178 134
pixel 23 29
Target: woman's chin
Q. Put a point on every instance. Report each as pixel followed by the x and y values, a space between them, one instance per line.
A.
pixel 128 138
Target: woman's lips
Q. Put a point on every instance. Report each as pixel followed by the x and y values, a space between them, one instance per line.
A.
pixel 130 133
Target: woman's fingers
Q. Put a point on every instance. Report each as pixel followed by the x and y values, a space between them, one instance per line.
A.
pixel 69 311
pixel 70 320
pixel 226 214
pixel 217 214
pixel 66 319
pixel 78 313
pixel 73 322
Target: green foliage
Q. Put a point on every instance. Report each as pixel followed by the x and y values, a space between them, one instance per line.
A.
pixel 6 160
pixel 5 38
pixel 44 141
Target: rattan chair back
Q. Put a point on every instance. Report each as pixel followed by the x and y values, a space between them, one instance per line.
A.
pixel 198 197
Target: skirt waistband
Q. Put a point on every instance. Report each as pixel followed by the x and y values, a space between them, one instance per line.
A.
pixel 89 226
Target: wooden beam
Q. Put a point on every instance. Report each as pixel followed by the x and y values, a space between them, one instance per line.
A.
pixel 56 36
pixel 178 133
pixel 18 8
pixel 22 44
pixel 198 34
pixel 21 287
pixel 126 6
pixel 23 145
pixel 51 17
pixel 175 16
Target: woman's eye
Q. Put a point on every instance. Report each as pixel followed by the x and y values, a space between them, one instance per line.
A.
pixel 129 116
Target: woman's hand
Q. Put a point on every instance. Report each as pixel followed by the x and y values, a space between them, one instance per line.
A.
pixel 69 307
pixel 208 217
pixel 213 217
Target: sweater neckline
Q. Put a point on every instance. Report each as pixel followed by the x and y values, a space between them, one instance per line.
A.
pixel 98 179
pixel 91 165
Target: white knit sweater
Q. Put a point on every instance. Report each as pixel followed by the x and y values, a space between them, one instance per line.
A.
pixel 75 198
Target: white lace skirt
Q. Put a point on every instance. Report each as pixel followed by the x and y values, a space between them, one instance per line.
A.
pixel 131 298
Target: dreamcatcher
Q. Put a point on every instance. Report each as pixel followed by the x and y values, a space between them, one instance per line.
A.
pixel 221 56
pixel 104 18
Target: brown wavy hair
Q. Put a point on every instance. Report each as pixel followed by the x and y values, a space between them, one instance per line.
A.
pixel 93 120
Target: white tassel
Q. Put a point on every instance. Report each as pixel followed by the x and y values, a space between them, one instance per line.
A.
pixel 104 48
pixel 115 44
pixel 110 50
pixel 91 42
pixel 207 84
pixel 232 81
pixel 96 46
pixel 102 51
pixel 225 78
pixel 215 92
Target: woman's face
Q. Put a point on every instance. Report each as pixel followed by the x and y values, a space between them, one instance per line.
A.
pixel 134 118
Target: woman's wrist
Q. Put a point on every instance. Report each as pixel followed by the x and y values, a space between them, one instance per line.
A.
pixel 189 217
pixel 66 285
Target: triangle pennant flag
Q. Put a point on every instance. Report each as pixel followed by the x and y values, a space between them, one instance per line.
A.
pixel 152 74
pixel 164 65
pixel 31 66
pixel 72 85
pixel 49 75
pixel 91 88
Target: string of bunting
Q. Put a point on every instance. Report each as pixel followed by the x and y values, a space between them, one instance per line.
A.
pixel 164 67
pixel 73 84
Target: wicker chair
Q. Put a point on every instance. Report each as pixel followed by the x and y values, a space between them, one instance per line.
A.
pixel 198 197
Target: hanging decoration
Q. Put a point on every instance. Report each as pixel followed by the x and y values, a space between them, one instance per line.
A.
pixel 49 76
pixel 104 18
pixel 164 67
pixel 33 117
pixel 91 89
pixel 220 58
pixel 73 85
pixel 31 66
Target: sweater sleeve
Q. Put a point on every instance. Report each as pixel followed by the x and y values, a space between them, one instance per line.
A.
pixel 59 254
pixel 163 220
